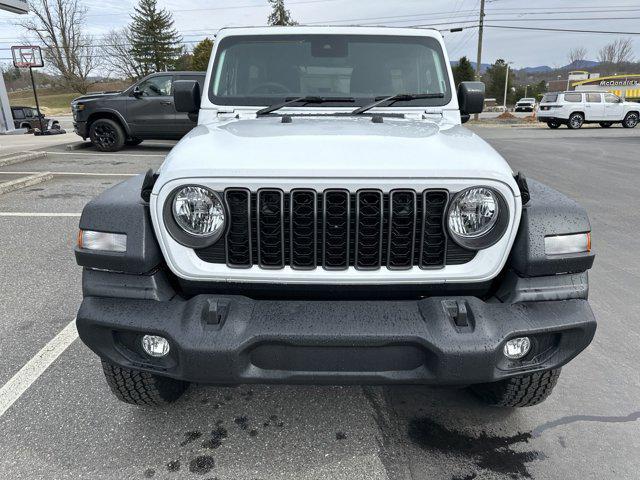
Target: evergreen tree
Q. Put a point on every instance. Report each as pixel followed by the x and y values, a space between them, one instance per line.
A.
pixel 155 43
pixel 280 15
pixel 494 79
pixel 201 54
pixel 463 71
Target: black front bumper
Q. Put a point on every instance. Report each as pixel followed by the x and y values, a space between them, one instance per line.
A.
pixel 233 339
pixel 80 128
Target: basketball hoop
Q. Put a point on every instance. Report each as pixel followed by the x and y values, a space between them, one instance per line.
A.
pixel 29 56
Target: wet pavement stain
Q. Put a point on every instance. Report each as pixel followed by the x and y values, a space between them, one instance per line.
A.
pixel 253 432
pixel 190 437
pixel 493 453
pixel 217 435
pixel 173 466
pixel 149 473
pixel 242 422
pixel 341 436
pixel 202 464
pixel 471 476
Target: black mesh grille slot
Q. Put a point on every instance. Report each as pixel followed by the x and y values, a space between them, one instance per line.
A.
pixel 270 218
pixel 434 240
pixel 335 232
pixel 402 229
pixel 369 223
pixel 238 240
pixel 303 229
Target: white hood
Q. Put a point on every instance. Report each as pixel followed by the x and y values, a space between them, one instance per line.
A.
pixel 334 147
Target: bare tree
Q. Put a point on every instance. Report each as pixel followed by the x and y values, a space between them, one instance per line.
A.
pixel 118 57
pixel 57 24
pixel 617 52
pixel 577 54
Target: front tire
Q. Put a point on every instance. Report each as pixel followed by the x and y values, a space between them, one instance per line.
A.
pixel 522 391
pixel 553 125
pixel 576 120
pixel 107 135
pixel 631 120
pixel 606 124
pixel 142 388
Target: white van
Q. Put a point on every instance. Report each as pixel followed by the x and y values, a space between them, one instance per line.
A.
pixel 574 109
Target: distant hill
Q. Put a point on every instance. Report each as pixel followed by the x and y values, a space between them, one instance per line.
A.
pixel 540 69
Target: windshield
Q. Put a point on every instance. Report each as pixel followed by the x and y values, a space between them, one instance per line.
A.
pixel 550 97
pixel 264 70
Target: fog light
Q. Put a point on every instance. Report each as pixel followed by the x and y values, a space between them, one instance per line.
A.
pixel 517 348
pixel 155 346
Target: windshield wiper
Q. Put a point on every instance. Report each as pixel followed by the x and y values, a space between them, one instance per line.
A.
pixel 400 97
pixel 304 101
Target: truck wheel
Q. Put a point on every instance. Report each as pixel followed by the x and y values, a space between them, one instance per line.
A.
pixel 142 388
pixel 631 120
pixel 606 124
pixel 132 142
pixel 106 135
pixel 575 121
pixel 553 124
pixel 522 391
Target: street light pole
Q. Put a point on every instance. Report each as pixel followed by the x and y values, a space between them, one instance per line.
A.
pixel 506 84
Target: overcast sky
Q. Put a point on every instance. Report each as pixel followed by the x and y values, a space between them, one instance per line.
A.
pixel 197 18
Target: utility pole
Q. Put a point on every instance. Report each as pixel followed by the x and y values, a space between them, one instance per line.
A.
pixel 480 32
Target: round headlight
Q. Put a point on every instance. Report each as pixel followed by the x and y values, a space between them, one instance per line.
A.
pixel 198 211
pixel 476 219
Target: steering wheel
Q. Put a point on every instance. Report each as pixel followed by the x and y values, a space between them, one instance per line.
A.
pixel 270 87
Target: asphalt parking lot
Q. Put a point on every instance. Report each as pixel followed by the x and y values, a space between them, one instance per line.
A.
pixel 67 425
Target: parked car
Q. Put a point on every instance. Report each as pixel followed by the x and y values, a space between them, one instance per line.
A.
pixel 27 117
pixel 143 111
pixel 574 109
pixel 320 227
pixel 526 105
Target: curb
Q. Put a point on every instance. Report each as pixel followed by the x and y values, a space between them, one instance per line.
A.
pixel 20 157
pixel 24 182
pixel 78 145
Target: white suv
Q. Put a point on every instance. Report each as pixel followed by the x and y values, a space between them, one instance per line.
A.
pixel 577 108
pixel 526 105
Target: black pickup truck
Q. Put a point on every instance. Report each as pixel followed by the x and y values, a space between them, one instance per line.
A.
pixel 144 111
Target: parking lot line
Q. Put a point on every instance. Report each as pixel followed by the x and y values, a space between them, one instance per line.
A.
pixel 95 154
pixel 38 214
pixel 34 368
pixel 75 174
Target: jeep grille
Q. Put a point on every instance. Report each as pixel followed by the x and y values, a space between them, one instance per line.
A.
pixel 336 229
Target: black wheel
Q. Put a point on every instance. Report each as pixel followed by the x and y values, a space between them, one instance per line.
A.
pixel 142 388
pixel 106 135
pixel 575 121
pixel 553 124
pixel 631 120
pixel 132 142
pixel 523 391
pixel 606 124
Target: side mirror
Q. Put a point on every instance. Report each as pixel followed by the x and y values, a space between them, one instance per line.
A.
pixel 186 96
pixel 136 92
pixel 470 99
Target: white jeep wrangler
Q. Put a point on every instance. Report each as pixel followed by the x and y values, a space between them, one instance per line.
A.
pixel 330 221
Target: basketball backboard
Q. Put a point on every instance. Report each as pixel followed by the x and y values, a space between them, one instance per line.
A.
pixel 15 6
pixel 27 56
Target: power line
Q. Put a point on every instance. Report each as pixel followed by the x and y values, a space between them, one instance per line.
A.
pixel 571 30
